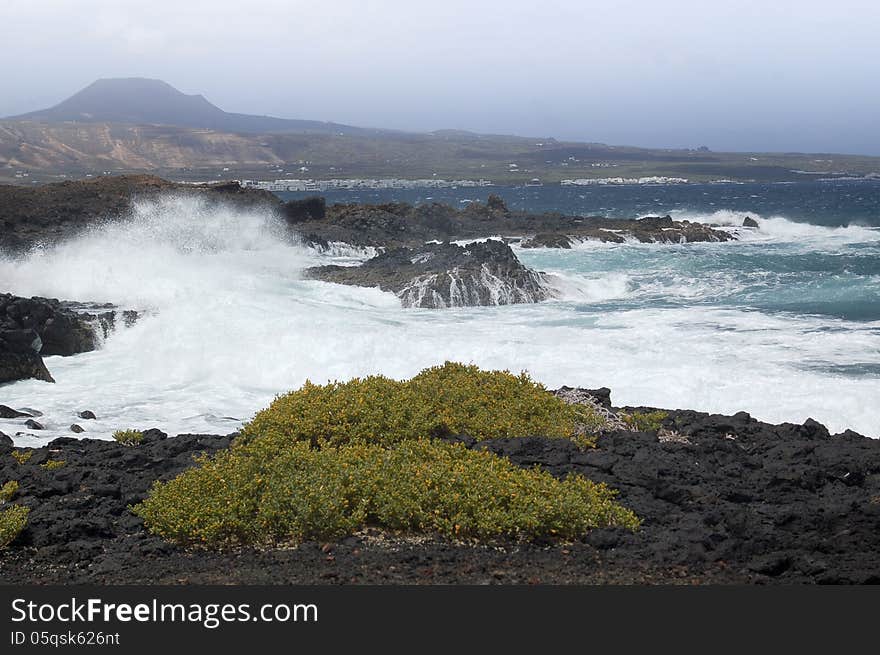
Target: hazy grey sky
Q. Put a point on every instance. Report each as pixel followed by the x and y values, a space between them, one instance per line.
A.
pixel 736 75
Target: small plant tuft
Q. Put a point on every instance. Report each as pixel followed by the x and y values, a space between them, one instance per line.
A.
pixel 22 456
pixel 12 522
pixel 128 437
pixel 645 421
pixel 7 491
pixel 53 464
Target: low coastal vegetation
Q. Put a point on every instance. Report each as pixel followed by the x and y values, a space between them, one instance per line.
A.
pixel 53 464
pixel 22 456
pixel 7 491
pixel 12 522
pixel 420 486
pixel 326 461
pixel 444 400
pixel 644 421
pixel 128 437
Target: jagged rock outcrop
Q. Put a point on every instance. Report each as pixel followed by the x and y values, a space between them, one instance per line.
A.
pixel 442 275
pixel 399 224
pixel 53 212
pixel 651 229
pixel 31 328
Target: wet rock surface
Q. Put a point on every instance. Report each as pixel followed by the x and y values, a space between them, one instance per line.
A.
pixel 402 225
pixel 31 328
pixel 724 499
pixel 651 229
pixel 445 275
pixel 47 214
pixel 31 215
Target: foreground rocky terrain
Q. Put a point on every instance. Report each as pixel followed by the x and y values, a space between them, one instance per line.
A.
pixel 723 499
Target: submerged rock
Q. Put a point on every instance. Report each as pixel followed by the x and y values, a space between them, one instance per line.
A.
pixel 8 412
pixel 445 275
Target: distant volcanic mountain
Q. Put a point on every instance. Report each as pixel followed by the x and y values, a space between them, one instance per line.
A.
pixel 141 101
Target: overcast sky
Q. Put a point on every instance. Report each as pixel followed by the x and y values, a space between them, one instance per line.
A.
pixel 733 75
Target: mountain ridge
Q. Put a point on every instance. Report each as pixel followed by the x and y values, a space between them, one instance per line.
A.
pixel 147 101
pixel 134 125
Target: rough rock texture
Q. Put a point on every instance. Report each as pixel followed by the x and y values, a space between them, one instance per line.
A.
pixel 445 275
pixel 724 499
pixel 400 224
pixel 23 365
pixel 46 214
pixel 651 229
pixel 49 213
pixel 31 328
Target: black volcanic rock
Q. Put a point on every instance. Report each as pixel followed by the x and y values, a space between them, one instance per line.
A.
pixel 22 366
pixel 750 222
pixel 651 229
pixel 307 209
pixel 31 328
pixel 399 224
pixel 723 499
pixel 445 275
pixel 50 213
pixel 8 412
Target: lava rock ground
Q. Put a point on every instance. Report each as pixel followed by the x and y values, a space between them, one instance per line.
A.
pixel 723 500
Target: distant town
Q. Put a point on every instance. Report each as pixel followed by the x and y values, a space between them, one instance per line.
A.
pixel 353 184
pixel 435 183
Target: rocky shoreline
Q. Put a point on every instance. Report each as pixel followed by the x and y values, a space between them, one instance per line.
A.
pixel 412 240
pixel 724 499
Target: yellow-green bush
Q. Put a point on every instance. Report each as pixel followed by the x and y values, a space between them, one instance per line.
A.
pixel 12 522
pixel 448 399
pixel 128 437
pixel 53 464
pixel 258 495
pixel 22 456
pixel 7 491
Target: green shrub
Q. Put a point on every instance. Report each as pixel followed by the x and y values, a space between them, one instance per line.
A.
pixel 645 421
pixel 448 399
pixel 12 522
pixel 258 495
pixel 53 464
pixel 22 456
pixel 128 437
pixel 7 491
